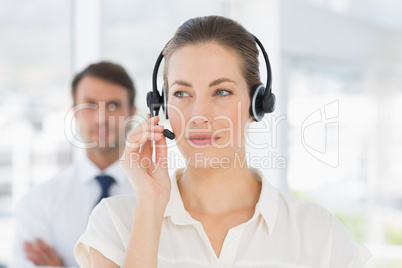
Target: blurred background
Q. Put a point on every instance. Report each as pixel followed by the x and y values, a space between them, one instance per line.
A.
pixel 335 137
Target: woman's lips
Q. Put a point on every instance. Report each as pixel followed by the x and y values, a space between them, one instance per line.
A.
pixel 202 139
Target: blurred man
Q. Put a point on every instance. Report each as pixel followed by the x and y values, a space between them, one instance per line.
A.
pixel 52 216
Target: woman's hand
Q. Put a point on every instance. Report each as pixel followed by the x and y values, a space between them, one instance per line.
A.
pixel 150 179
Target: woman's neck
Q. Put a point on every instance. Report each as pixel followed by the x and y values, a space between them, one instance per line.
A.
pixel 216 191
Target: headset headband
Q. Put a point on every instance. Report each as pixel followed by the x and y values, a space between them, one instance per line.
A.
pixel 267 64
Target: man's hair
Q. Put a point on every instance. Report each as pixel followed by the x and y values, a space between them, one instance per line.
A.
pixel 109 72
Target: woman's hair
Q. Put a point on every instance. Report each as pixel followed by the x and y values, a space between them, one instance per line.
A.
pixel 223 31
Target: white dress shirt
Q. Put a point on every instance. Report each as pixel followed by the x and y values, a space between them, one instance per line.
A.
pixel 283 232
pixel 57 210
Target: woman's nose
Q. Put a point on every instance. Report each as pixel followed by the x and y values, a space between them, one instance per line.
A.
pixel 201 112
pixel 198 120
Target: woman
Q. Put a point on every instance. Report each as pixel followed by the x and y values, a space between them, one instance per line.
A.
pixel 217 212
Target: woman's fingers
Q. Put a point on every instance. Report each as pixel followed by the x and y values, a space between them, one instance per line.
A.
pixel 146 125
pixel 161 153
pixel 140 134
pixel 146 149
pixel 139 144
pixel 146 176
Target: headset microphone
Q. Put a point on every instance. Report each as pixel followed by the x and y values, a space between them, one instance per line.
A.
pixel 168 134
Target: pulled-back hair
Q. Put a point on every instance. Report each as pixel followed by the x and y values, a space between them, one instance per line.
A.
pixel 223 31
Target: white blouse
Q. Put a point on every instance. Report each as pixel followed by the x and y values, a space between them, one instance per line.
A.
pixel 283 232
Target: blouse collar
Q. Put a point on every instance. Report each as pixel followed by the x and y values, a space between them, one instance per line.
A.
pixel 267 205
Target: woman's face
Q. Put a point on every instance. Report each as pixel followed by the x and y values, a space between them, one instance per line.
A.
pixel 208 103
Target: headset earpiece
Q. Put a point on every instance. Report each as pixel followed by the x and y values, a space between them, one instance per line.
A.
pixel 269 103
pixel 262 100
pixel 153 102
pixel 256 104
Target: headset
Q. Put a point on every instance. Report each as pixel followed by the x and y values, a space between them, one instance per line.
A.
pixel 262 98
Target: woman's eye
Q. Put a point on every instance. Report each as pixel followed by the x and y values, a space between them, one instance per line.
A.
pixel 222 92
pixel 180 94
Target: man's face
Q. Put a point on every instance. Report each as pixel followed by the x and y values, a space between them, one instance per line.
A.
pixel 101 109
